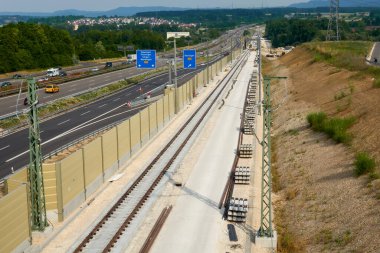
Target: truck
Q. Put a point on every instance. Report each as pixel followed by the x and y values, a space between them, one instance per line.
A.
pixel 131 58
pixel 52 72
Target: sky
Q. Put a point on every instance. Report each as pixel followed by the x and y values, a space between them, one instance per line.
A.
pixel 102 5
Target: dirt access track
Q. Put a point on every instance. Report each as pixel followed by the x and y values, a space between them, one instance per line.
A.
pixel 320 206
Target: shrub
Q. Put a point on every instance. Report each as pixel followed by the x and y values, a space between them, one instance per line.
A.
pixel 316 120
pixel 364 164
pixel 335 128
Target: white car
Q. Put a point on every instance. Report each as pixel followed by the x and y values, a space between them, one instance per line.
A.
pixel 94 69
pixel 43 79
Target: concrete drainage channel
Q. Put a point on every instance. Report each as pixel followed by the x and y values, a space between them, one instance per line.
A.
pixel 110 233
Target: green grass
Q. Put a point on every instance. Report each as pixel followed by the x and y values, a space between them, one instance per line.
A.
pixel 340 95
pixel 376 83
pixel 364 164
pixel 335 128
pixel 348 55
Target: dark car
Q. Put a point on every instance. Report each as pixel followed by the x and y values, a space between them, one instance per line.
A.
pixel 108 64
pixel 62 73
pixel 5 84
pixel 17 76
pixel 26 101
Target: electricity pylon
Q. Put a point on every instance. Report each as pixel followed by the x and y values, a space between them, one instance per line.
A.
pixel 333 27
pixel 36 182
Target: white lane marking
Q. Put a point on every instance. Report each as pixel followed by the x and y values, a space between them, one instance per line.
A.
pixel 85 113
pixel 116 99
pixel 5 147
pixel 102 106
pixel 63 122
pixel 83 125
pixel 74 85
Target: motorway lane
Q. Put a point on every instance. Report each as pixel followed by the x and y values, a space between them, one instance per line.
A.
pixel 8 104
pixel 376 53
pixel 58 131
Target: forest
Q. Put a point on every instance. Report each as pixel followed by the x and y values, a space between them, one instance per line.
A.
pixel 36 43
pixel 29 46
pixel 33 46
pixel 284 32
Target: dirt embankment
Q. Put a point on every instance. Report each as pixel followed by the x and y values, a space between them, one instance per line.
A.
pixel 320 205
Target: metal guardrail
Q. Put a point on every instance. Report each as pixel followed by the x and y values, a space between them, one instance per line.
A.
pixel 84 75
pixel 24 111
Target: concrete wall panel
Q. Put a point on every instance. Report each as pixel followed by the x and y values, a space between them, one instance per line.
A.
pixel 124 141
pixel 135 133
pixel 110 153
pixel 160 113
pixel 50 184
pixel 14 221
pixel 93 166
pixel 180 97
pixel 171 104
pixel 72 182
pixel 16 179
pixel 144 119
pixel 166 109
pixel 152 119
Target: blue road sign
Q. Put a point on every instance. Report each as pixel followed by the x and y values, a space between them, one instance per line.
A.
pixel 146 59
pixel 190 59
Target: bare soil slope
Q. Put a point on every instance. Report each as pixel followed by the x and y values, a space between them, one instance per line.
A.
pixel 321 206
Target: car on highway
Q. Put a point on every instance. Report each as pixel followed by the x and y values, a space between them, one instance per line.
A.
pixel 51 88
pixel 5 84
pixel 62 73
pixel 16 76
pixel 43 79
pixel 94 69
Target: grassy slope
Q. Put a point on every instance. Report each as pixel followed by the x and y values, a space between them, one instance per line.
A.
pixel 317 85
pixel 348 55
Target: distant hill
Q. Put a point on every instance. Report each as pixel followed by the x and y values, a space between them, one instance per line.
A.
pixel 121 11
pixel 346 3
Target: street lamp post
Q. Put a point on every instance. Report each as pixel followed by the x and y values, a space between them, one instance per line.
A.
pixel 176 35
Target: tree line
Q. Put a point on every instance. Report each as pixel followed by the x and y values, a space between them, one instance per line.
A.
pixel 33 46
pixel 29 46
pixel 284 32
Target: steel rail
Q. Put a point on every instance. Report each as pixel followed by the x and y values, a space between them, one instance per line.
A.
pixel 131 216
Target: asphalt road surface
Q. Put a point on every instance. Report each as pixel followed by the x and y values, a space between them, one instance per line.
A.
pixel 11 103
pixel 68 127
pixel 376 54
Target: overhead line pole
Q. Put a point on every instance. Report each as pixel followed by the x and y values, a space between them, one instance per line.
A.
pixel 266 229
pixel 35 175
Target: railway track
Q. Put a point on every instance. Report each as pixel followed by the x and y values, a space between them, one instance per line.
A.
pixel 106 235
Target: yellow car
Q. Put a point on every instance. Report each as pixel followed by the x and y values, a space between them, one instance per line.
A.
pixel 51 88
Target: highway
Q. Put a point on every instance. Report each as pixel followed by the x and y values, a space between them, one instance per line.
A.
pixel 9 104
pixel 68 127
pixel 375 54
